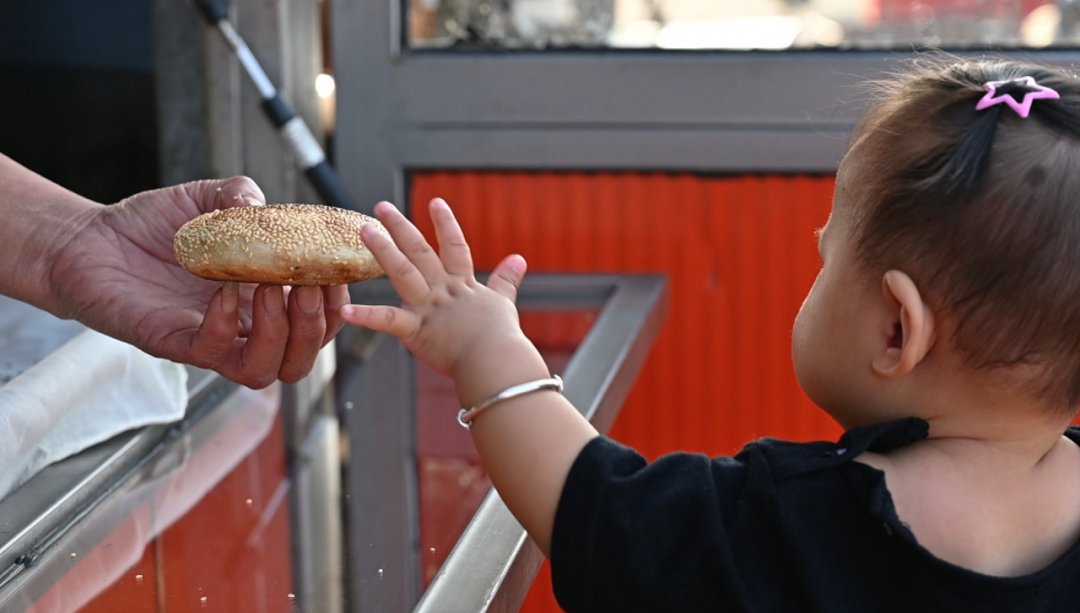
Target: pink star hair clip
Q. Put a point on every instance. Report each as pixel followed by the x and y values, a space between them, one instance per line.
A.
pixel 1032 91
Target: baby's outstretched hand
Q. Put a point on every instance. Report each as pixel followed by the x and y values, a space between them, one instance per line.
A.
pixel 471 332
pixel 447 317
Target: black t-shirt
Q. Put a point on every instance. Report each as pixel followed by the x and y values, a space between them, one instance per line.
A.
pixel 780 527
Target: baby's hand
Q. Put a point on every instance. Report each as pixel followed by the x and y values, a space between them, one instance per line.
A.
pixel 471 332
pixel 446 314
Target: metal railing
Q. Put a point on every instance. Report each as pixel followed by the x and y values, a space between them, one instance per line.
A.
pixel 494 562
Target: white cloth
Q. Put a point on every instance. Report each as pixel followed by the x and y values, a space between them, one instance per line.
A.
pixel 87 391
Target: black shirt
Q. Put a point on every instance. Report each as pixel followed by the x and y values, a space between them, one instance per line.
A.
pixel 779 527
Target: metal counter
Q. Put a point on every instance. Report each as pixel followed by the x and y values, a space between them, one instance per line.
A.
pixel 66 510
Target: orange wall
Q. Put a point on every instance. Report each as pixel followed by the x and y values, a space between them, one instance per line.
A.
pixel 740 255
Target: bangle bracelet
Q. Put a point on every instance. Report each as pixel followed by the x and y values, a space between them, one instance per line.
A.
pixel 466 416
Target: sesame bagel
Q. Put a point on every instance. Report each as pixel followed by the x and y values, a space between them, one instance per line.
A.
pixel 282 244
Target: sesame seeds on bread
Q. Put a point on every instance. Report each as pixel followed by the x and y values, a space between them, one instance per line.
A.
pixel 282 244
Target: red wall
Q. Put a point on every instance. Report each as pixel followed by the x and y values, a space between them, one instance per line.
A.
pixel 739 253
pixel 231 552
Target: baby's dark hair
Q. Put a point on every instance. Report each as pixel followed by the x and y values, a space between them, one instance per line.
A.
pixel 982 209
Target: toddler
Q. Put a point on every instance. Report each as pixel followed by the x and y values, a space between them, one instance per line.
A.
pixel 942 333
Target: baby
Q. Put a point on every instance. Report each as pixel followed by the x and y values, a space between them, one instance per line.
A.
pixel 942 333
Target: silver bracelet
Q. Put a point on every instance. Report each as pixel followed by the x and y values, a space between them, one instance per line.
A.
pixel 466 416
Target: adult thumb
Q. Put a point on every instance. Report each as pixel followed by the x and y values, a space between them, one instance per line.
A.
pixel 215 194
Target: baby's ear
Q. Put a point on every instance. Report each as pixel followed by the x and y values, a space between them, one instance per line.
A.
pixel 911 332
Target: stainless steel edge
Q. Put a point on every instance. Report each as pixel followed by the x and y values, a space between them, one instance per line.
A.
pixel 54 502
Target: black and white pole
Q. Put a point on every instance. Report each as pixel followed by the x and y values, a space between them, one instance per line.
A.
pixel 296 134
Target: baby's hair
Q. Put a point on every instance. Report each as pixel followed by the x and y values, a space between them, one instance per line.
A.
pixel 982 209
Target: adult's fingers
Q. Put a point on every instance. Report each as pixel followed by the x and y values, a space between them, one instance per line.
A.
pixel 307 326
pixel 410 241
pixel 211 344
pixel 507 276
pixel 334 297
pixel 258 360
pixel 392 320
pixel 225 193
pixel 453 249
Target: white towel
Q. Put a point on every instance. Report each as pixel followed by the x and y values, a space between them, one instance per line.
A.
pixel 87 391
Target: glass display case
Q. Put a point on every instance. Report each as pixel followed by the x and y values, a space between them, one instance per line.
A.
pixel 257 501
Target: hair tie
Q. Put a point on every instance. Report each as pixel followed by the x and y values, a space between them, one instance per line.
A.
pixel 1033 91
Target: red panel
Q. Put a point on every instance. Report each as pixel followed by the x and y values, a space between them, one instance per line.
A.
pixel 136 590
pixel 232 551
pixel 120 564
pixel 740 256
pixel 739 253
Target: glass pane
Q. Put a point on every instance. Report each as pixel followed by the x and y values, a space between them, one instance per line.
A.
pixel 741 24
pixel 451 481
pixel 207 529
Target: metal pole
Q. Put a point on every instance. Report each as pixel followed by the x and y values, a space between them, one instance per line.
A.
pixel 296 134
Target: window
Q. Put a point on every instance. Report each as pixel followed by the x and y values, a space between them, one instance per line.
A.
pixel 741 24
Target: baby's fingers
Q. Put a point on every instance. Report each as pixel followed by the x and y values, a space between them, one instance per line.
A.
pixel 392 320
pixel 507 276
pixel 410 241
pixel 453 249
pixel 403 274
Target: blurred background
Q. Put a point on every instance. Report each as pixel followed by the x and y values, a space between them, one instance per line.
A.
pixel 693 141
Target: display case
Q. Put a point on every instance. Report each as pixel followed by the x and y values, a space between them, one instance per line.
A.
pixel 326 495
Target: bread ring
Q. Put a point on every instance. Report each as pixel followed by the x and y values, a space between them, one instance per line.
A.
pixel 281 244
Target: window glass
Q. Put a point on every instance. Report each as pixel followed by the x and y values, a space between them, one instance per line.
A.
pixel 741 24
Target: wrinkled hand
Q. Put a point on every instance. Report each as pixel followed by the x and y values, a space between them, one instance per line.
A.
pixel 118 275
pixel 447 317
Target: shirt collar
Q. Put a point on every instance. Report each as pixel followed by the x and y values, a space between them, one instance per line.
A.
pixel 885 437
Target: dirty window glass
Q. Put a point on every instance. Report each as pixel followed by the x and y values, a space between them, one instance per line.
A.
pixel 741 24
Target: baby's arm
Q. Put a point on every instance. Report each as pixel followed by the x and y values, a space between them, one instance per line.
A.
pixel 470 332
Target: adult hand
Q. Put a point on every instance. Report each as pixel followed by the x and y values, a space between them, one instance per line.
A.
pixel 116 273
